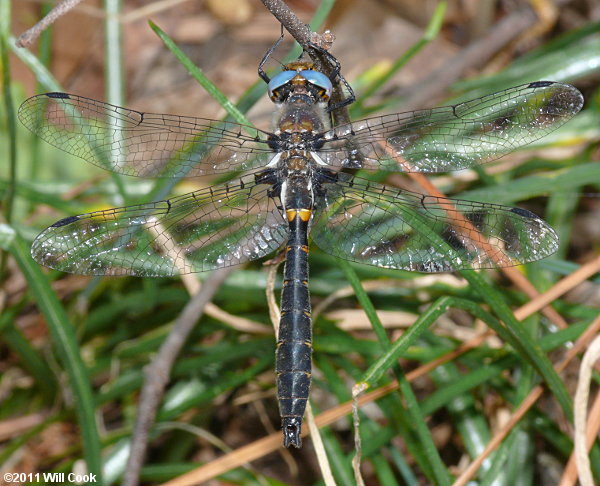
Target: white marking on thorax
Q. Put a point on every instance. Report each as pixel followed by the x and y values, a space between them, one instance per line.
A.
pixel 317 158
pixel 275 160
pixel 283 196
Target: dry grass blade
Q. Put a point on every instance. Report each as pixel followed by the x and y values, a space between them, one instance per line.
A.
pixel 563 286
pixel 570 475
pixel 317 440
pixel 274 312
pixel 269 444
pixel 193 285
pixel 11 428
pixel 469 473
pixel 585 433
pixel 250 452
pixel 357 390
pixel 150 9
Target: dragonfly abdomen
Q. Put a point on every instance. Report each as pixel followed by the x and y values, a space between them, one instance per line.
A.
pixel 294 345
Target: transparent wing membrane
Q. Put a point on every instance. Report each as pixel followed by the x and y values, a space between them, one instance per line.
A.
pixel 437 140
pixel 453 137
pixel 295 183
pixel 368 223
pixel 353 219
pixel 143 144
pixel 203 230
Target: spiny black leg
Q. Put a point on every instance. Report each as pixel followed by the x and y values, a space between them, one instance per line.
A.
pixel 336 73
pixel 345 102
pixel 333 61
pixel 261 72
pixel 351 98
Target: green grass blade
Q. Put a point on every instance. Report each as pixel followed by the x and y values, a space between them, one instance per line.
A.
pixel 567 179
pixel 30 357
pixel 365 302
pixel 5 17
pixel 516 336
pixel 418 424
pixel 113 42
pixel 409 337
pixel 113 71
pixel 43 76
pixel 65 342
pixel 44 56
pixel 412 405
pixel 199 76
pixel 321 14
pixel 431 32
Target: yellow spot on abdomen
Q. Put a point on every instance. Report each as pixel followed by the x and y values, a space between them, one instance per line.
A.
pixel 303 213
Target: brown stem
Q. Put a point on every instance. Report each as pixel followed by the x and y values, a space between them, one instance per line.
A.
pixel 30 35
pixel 158 372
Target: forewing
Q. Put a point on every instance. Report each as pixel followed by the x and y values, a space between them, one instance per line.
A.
pixel 368 223
pixel 143 144
pixel 453 137
pixel 199 231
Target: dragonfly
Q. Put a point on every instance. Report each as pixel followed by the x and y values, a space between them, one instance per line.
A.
pixel 295 181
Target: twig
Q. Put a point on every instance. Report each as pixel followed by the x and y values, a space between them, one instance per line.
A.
pixel 30 35
pixel 158 372
pixel 305 37
pixel 297 29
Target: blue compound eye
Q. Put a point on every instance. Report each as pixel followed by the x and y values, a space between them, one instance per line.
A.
pixel 279 80
pixel 318 79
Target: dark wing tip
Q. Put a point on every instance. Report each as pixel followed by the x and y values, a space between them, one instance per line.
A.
pixel 58 95
pixel 540 230
pixel 540 84
pixel 65 221
pixel 576 97
pixel 568 97
pixel 525 213
pixel 291 428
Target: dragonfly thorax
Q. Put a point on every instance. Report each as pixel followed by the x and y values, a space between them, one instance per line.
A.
pixel 301 112
pixel 297 163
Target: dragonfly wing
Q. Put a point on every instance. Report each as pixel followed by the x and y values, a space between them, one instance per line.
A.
pixel 199 231
pixel 143 144
pixel 387 227
pixel 453 137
